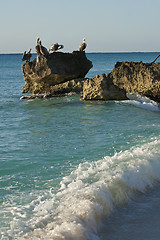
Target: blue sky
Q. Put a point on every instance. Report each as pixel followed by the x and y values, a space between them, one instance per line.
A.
pixel 107 25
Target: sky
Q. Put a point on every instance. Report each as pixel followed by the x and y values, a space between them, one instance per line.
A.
pixel 107 25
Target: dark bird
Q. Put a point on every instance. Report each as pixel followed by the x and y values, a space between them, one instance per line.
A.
pixel 43 50
pixel 37 49
pixel 55 47
pixel 26 56
pixel 83 46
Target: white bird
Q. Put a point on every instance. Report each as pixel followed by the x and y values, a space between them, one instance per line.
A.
pixel 83 46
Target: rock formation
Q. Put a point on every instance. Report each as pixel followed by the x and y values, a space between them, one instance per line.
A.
pixel 102 88
pixel 43 73
pixel 128 77
pixel 60 73
pixel 143 78
pixel 59 90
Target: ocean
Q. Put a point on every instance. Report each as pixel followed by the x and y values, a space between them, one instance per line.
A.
pixel 77 170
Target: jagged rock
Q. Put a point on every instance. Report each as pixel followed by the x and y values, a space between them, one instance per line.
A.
pixel 43 73
pixel 75 86
pixel 70 87
pixel 143 78
pixel 102 88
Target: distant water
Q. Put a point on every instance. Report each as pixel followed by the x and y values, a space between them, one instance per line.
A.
pixel 77 170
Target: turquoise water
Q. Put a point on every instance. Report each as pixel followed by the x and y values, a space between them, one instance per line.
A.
pixel 68 166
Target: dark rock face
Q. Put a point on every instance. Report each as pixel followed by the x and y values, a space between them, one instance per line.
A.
pixel 126 77
pixel 43 73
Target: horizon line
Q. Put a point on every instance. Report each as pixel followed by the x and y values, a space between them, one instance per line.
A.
pixel 12 53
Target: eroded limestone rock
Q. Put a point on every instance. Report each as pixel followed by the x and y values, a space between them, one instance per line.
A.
pixel 126 77
pixel 102 88
pixel 43 73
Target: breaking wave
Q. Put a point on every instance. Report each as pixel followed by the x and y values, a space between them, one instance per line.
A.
pixel 89 194
pixel 141 101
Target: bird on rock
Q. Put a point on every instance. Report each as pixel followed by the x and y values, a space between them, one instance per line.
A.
pixel 55 47
pixel 37 49
pixel 26 56
pixel 83 46
pixel 38 40
pixel 43 50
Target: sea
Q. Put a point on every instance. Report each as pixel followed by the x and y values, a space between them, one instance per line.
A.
pixel 78 170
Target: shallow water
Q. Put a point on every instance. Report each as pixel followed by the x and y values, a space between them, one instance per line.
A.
pixel 68 166
pixel 139 219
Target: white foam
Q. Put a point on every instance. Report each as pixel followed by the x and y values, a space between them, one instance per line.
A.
pixel 142 102
pixel 91 192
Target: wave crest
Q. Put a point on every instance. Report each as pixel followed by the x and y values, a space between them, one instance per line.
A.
pixel 91 192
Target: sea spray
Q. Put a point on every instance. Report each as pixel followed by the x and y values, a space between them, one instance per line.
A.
pixel 142 101
pixel 91 192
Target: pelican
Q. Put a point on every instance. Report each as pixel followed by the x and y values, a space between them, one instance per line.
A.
pixel 43 50
pixel 83 45
pixel 26 56
pixel 55 47
pixel 37 49
pixel 38 40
